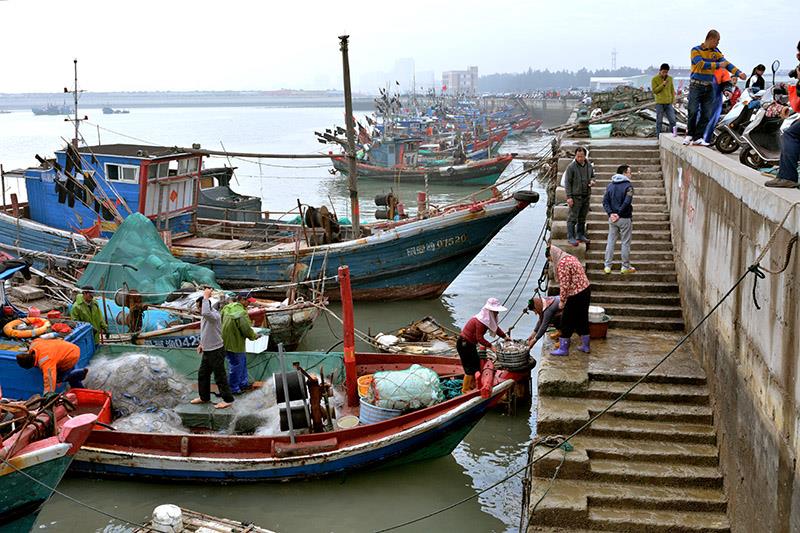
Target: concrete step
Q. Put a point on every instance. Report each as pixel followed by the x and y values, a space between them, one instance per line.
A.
pixel 594 226
pixel 637 245
pixel 633 322
pixel 597 197
pixel 599 277
pixel 595 253
pixel 604 299
pixel 657 521
pixel 626 285
pixel 610 166
pixel 621 427
pixel 648 450
pixel 608 470
pixel 597 262
pixel 599 231
pixel 568 502
pixel 641 311
pixel 561 212
pixel 649 392
pixel 673 377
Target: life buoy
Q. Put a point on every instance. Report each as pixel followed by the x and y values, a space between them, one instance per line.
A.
pixel 38 326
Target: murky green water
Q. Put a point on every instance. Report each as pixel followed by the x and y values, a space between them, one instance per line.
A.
pixel 362 502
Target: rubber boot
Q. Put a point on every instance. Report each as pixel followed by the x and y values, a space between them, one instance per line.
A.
pixel 571 233
pixel 469 384
pixel 584 347
pixel 563 347
pixel 582 233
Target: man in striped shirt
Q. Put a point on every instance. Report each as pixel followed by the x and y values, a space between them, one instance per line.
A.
pixel 706 58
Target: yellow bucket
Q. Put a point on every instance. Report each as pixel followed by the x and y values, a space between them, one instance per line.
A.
pixel 363 385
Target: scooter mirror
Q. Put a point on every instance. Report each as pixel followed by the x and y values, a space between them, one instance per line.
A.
pixel 775 66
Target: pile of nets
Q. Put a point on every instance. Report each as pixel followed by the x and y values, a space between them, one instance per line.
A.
pixel 144 390
pixel 413 388
pixel 155 273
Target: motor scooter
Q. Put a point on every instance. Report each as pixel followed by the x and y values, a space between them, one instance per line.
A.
pixel 728 137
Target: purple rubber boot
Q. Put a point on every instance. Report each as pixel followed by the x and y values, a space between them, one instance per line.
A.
pixel 584 347
pixel 563 347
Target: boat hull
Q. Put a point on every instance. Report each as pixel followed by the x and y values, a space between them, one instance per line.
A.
pixel 482 173
pixel 430 438
pixel 21 499
pixel 410 260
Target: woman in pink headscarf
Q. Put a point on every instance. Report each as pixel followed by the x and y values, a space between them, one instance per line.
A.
pixel 472 334
pixel 574 299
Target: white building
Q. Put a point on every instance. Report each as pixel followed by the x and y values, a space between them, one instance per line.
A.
pixel 460 81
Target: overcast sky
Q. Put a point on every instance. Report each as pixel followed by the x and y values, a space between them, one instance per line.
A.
pixel 232 44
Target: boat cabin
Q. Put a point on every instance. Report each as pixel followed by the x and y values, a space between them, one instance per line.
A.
pixel 158 181
pixel 395 152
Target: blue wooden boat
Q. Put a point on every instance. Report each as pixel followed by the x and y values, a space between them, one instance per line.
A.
pixel 15 381
pixel 43 456
pixel 412 258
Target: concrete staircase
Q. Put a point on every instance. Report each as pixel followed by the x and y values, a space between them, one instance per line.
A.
pixel 648 299
pixel 649 464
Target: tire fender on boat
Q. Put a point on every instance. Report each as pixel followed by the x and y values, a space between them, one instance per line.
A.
pixel 530 197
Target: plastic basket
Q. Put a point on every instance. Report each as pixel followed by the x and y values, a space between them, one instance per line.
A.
pixel 600 131
pixel 364 383
pixel 369 414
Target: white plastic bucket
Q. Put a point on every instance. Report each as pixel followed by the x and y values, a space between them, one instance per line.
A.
pixel 369 414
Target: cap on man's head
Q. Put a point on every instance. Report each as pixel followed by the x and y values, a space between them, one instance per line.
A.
pixel 87 288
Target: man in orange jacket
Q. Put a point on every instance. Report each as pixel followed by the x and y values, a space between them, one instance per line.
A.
pixel 56 358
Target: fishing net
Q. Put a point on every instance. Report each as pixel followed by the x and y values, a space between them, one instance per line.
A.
pixel 413 388
pixel 149 267
pixel 140 383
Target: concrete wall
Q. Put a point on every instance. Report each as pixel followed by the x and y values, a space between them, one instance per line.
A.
pixel 722 217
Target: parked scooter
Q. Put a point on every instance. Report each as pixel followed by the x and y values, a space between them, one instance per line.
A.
pixel 728 138
pixel 761 139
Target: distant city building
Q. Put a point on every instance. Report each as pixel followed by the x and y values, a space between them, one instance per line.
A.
pixel 460 81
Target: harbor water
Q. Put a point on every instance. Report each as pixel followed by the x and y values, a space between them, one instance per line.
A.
pixel 365 501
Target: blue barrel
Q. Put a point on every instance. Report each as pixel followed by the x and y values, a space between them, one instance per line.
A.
pixel 369 414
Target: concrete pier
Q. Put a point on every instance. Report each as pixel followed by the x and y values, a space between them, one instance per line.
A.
pixel 710 442
pixel 651 463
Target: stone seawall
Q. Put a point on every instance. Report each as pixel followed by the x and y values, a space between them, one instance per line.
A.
pixel 722 217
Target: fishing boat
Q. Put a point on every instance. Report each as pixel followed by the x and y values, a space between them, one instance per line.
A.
pixel 52 109
pixel 380 439
pixel 75 202
pixel 111 111
pixel 482 172
pixel 35 454
pixel 15 381
pixel 425 336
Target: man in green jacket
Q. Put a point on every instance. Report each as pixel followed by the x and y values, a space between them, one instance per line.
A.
pixel 664 91
pixel 236 327
pixel 85 309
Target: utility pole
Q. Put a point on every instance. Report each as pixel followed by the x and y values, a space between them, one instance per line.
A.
pixel 352 178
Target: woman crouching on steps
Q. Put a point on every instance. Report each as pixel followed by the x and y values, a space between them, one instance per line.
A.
pixel 575 295
pixel 472 334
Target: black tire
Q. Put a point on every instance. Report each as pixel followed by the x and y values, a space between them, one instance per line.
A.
pixel 726 143
pixel 749 158
pixel 297 387
pixel 451 171
pixel 530 197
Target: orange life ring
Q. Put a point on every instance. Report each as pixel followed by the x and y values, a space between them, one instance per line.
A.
pixel 38 327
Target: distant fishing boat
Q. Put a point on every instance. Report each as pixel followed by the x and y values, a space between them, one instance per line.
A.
pixel 389 260
pixel 42 450
pixel 484 172
pixel 52 109
pixel 112 111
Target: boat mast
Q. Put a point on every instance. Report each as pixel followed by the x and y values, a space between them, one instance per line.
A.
pixel 74 91
pixel 352 178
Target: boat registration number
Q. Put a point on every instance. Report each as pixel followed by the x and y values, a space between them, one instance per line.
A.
pixel 188 341
pixel 436 245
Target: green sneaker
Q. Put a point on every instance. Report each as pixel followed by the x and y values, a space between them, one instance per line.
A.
pixel 607 270
pixel 629 270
